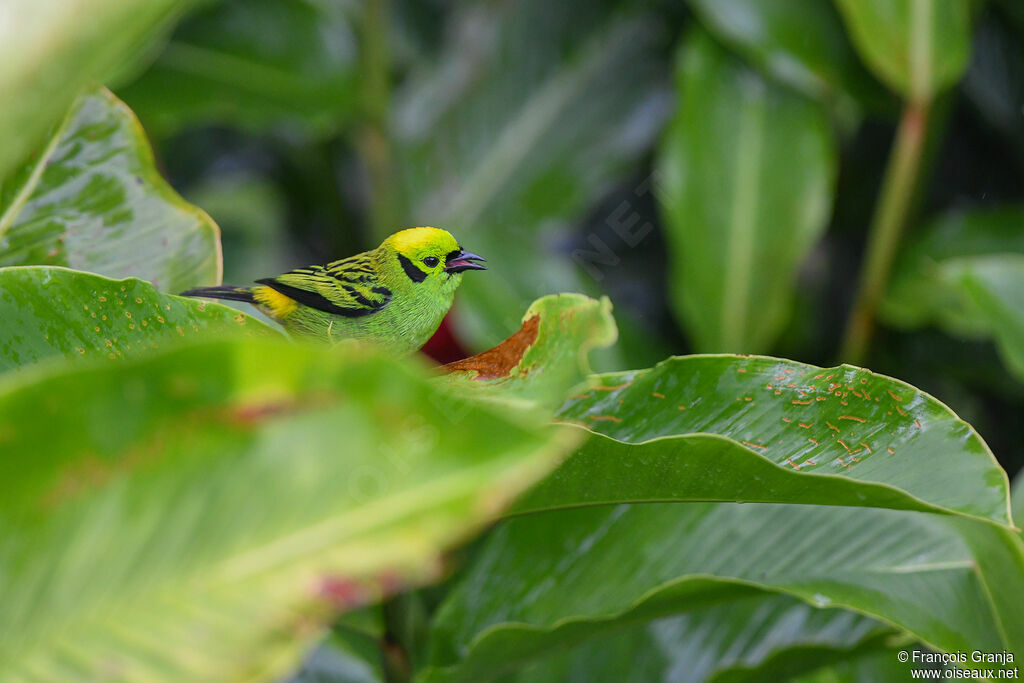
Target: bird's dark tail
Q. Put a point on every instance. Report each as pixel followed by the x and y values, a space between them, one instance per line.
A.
pixel 222 292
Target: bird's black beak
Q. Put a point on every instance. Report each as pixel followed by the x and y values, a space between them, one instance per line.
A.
pixel 458 261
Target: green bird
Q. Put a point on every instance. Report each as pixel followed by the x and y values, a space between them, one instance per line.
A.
pixel 395 295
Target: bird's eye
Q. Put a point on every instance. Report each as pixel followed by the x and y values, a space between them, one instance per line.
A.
pixel 431 261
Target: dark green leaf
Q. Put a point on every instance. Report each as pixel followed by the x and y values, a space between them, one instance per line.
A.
pixel 547 580
pixel 201 514
pixel 49 312
pixel 757 638
pixel 917 47
pixel 765 429
pixel 966 273
pixel 802 44
pixel 748 170
pixel 93 200
pixel 254 64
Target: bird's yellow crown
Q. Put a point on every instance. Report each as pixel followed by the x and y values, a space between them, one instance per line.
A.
pixel 413 241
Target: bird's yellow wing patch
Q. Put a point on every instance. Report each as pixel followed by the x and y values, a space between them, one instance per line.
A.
pixel 278 304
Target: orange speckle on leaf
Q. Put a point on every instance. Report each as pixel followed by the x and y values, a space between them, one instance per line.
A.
pixel 851 417
pixel 814 441
pixel 787 419
pixel 895 397
pixel 755 445
pixel 891 451
pixel 747 398
pixel 917 422
pixel 604 418
pixel 831 426
pixel 867 447
pixel 900 411
pixel 822 398
pixel 741 369
pixel 802 403
pixel 614 387
pixel 127 314
pixel 655 394
pixel 805 425
pixel 790 461
pixel 681 407
pixel 843 444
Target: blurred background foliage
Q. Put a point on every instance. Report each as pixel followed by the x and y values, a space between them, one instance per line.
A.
pixel 716 167
pixel 825 180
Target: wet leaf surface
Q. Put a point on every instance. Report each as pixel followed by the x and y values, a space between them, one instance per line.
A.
pixel 52 312
pixel 93 200
pixel 793 432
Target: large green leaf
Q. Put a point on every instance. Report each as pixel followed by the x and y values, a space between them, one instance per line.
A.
pixel 50 49
pixel 93 200
pixel 48 311
pixel 547 580
pixel 876 667
pixel 748 169
pixel 917 47
pixel 755 638
pixel 253 63
pixel 802 44
pixel 966 273
pixel 769 430
pixel 201 514
pixel 519 126
pixel 546 356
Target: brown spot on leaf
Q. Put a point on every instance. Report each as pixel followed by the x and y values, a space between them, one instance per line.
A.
pixel 498 362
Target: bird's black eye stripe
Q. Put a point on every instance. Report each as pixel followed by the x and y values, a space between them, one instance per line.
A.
pixel 431 261
pixel 414 273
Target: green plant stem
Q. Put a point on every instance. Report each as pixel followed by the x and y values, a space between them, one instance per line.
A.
pixel 891 214
pixel 375 139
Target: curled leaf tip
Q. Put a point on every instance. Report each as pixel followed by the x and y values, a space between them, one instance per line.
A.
pixel 498 362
